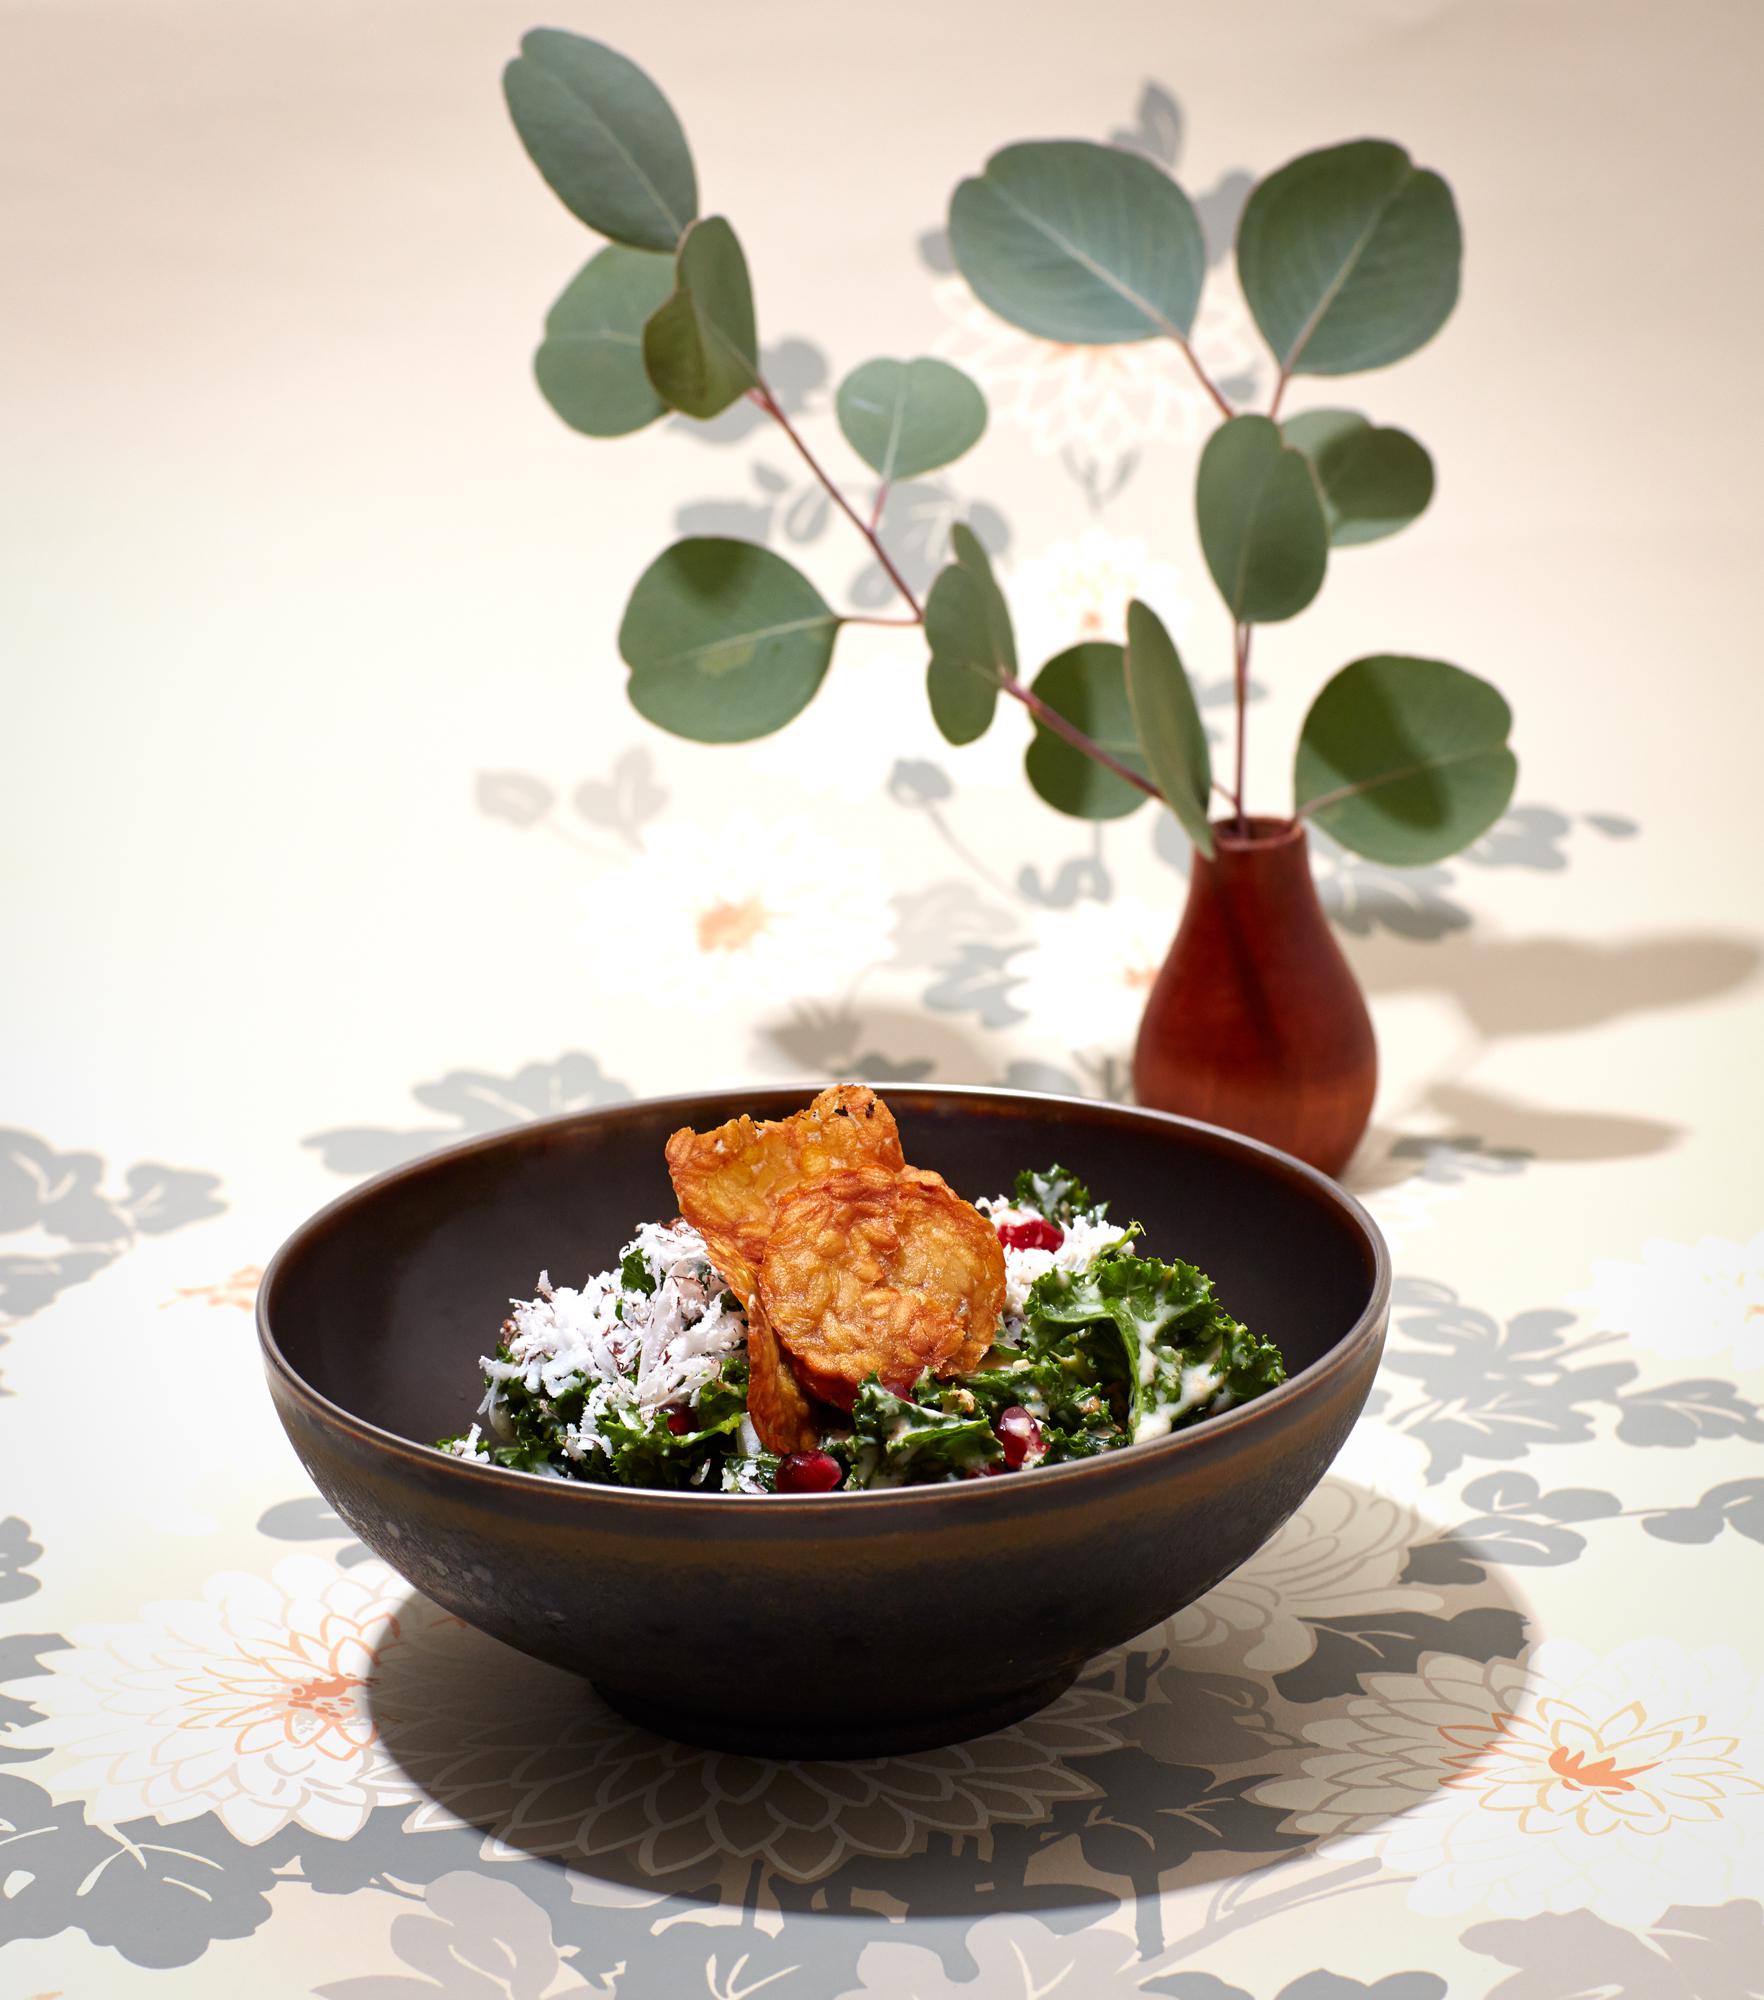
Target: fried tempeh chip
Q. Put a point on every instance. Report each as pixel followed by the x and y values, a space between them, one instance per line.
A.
pixel 779 1406
pixel 730 1182
pixel 876 1272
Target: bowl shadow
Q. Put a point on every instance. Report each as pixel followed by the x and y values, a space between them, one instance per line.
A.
pixel 1147 1775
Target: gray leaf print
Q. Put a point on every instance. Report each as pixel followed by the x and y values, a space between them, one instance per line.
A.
pixel 516 796
pixel 739 520
pixel 1307 1986
pixel 480 1938
pixel 626 801
pixel 915 526
pixel 1614 826
pixel 1523 837
pixel 156 1199
pixel 1393 1642
pixel 62 1195
pixel 473 1101
pixel 794 368
pixel 1083 878
pixel 17 1553
pixel 21 1658
pixel 157 1895
pixel 1522 1527
pixel 1219 208
pixel 1690 1954
pixel 28 1284
pixel 1735 1503
pixel 917 781
pixel 928 921
pixel 1156 130
pixel 1362 896
pixel 1681 1414
pixel 979 981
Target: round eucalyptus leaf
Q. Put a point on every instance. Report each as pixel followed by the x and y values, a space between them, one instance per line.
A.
pixel 970 553
pixel 700 346
pixel 1168 723
pixel 1405 761
pixel 1261 522
pixel 590 364
pixel 604 137
pixel 1349 258
pixel 725 640
pixel 963 676
pixel 1087 684
pixel 1373 480
pixel 904 418
pixel 1078 242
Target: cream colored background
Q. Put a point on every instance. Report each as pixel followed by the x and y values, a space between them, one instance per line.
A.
pixel 293 551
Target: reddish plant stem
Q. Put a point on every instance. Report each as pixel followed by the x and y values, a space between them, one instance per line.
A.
pixel 1280 382
pixel 876 511
pixel 1050 718
pixel 768 402
pixel 1200 374
pixel 1240 640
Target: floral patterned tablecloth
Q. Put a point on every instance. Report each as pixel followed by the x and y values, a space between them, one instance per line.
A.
pixel 330 838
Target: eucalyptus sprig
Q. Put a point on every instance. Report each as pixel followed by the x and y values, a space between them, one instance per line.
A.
pixel 1348 259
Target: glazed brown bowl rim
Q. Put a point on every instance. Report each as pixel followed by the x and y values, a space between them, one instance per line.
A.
pixel 1339 1355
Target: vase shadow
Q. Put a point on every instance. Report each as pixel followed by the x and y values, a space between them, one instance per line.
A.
pixel 1143 1776
pixel 1510 987
pixel 1515 988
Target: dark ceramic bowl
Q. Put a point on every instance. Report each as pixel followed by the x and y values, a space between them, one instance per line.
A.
pixel 809 1625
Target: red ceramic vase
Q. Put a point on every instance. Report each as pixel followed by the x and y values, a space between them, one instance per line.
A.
pixel 1255 1021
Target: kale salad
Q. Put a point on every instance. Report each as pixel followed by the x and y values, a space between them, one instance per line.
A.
pixel 641 1376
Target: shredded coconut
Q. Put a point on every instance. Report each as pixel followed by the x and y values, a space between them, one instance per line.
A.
pixel 636 1352
pixel 1086 1238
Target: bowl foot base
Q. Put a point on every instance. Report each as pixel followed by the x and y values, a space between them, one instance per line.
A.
pixel 837 1738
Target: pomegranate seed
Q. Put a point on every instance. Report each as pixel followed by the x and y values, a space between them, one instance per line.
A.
pixel 1019 1433
pixel 1035 1234
pixel 681 1421
pixel 809 1472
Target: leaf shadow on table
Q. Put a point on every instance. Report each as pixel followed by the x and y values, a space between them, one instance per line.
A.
pixel 875 1041
pixel 1150 1774
pixel 1512 989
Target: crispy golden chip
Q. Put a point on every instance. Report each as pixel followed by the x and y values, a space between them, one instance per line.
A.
pixel 776 1401
pixel 730 1182
pixel 872 1272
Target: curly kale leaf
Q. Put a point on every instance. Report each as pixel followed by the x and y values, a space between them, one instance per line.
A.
pixel 723 1400
pixel 1062 1392
pixel 895 1442
pixel 1155 1333
pixel 1056 1194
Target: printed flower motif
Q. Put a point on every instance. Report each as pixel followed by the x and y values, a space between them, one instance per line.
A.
pixel 1685 1300
pixel 238 1289
pixel 1016 1957
pixel 1086 975
pixel 479 1937
pixel 1099 402
pixel 1080 589
pixel 1558 1782
pixel 739 906
pixel 1342 1554
pixel 549 1770
pixel 251 1704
